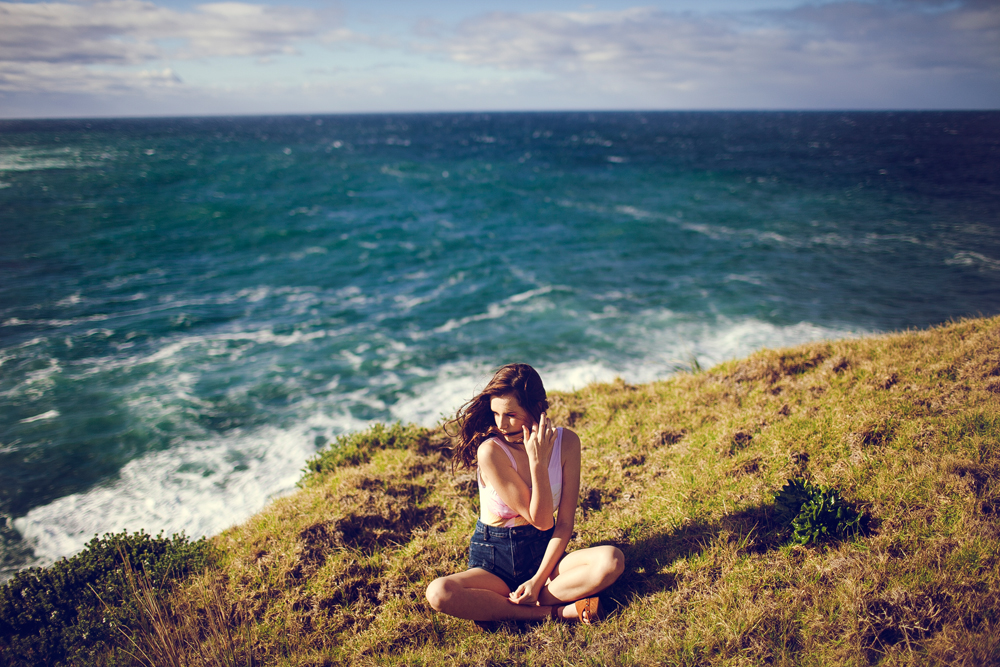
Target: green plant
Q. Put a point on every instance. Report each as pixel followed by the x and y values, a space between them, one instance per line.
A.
pixel 55 615
pixel 815 512
pixel 214 635
pixel 357 448
pixel 156 627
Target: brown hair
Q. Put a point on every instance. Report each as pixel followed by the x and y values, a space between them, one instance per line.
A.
pixel 474 420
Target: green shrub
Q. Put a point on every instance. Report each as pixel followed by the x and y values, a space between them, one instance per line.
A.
pixel 53 615
pixel 356 448
pixel 815 512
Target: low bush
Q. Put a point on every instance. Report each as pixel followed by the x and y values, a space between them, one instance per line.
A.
pixel 816 512
pixel 69 612
pixel 357 448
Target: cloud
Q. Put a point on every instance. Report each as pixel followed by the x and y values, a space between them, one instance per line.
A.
pixel 835 54
pixel 46 46
pixel 866 43
pixel 910 34
pixel 69 78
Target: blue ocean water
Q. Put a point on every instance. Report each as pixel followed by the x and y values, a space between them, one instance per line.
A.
pixel 189 308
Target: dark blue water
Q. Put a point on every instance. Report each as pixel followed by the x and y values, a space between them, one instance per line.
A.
pixel 190 307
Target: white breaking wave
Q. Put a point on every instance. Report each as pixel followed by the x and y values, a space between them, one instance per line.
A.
pixel 34 159
pixel 671 348
pixel 202 487
pixel 659 345
pixel 51 414
pixel 973 259
pixel 197 488
pixel 440 396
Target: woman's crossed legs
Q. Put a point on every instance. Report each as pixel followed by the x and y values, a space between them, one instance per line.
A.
pixel 481 596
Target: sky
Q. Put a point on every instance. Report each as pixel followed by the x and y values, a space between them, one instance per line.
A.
pixel 89 58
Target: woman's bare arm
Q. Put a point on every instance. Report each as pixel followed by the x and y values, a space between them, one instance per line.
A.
pixel 534 503
pixel 528 592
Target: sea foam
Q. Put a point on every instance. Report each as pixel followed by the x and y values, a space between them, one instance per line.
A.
pixel 196 488
pixel 200 488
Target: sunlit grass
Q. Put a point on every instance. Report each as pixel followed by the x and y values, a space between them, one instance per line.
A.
pixel 681 475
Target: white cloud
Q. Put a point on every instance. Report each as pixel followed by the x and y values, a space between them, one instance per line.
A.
pixel 45 46
pixel 137 56
pixel 70 78
pixel 913 34
pixel 853 45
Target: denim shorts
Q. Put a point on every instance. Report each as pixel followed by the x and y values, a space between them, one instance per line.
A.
pixel 513 554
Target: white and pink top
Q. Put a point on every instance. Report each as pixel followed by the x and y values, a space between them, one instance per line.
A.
pixel 493 511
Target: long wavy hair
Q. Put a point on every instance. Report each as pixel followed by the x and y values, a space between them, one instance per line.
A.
pixel 474 421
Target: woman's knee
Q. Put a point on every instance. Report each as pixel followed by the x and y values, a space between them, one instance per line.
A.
pixel 619 562
pixel 439 593
pixel 612 562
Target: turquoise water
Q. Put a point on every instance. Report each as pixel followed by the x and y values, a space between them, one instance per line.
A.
pixel 190 307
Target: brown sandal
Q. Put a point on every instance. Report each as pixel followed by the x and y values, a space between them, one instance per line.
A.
pixel 588 610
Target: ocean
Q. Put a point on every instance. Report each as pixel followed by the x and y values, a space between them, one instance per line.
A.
pixel 191 307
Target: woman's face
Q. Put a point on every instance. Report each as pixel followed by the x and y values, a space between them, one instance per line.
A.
pixel 510 417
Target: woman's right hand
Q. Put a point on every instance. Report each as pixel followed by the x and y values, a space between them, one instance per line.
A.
pixel 539 440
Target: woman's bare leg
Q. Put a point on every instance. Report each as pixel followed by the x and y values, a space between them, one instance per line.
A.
pixel 479 596
pixel 581 574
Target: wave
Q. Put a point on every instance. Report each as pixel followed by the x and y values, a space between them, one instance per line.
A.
pixel 202 487
pixel 35 159
pixel 51 414
pixel 665 344
pixel 973 259
pixel 197 488
pixel 501 309
pixel 658 346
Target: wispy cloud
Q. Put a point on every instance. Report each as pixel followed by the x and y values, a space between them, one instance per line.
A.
pixel 47 46
pixel 835 54
pixel 69 78
pixel 689 50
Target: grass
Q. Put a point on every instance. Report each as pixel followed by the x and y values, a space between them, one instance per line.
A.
pixel 681 475
pixel 200 628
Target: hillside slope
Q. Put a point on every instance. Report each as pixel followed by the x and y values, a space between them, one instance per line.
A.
pixel 681 475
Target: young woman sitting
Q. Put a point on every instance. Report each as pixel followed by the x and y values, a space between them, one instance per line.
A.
pixel 528 471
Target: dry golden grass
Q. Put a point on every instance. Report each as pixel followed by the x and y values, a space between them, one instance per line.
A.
pixel 680 475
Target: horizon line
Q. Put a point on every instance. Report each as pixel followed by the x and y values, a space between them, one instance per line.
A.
pixel 315 114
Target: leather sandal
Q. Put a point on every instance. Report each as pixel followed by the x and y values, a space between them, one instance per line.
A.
pixel 588 610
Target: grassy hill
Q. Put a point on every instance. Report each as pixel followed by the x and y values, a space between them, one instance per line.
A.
pixel 682 476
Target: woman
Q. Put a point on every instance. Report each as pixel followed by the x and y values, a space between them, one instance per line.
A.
pixel 527 469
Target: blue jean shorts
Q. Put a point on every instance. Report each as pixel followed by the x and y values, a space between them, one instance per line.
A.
pixel 513 554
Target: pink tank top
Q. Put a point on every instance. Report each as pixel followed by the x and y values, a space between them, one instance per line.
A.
pixel 493 511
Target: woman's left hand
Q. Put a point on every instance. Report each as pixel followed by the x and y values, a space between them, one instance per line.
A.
pixel 526 593
pixel 539 440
